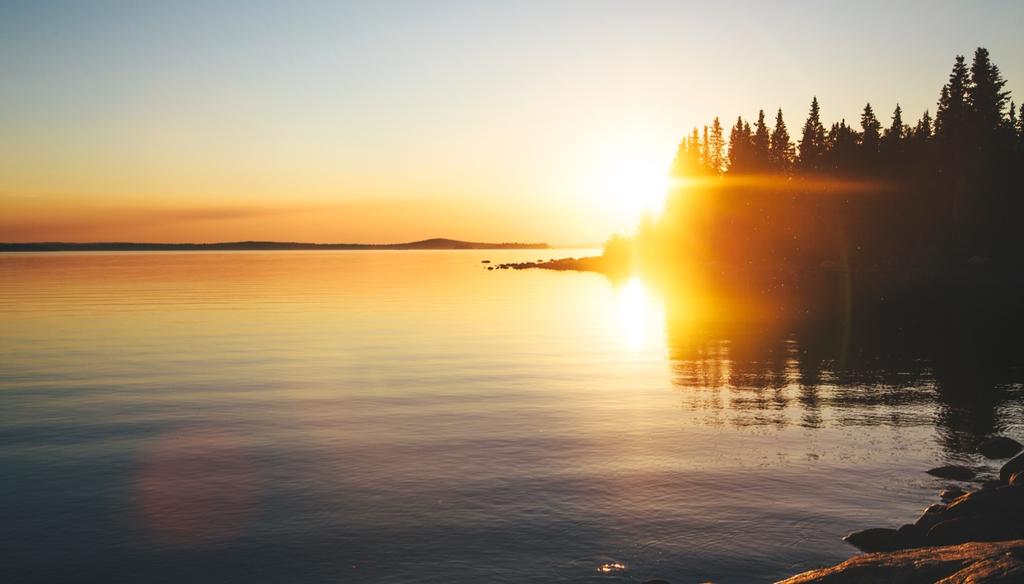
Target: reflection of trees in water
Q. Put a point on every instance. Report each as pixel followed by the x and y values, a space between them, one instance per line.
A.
pixel 888 372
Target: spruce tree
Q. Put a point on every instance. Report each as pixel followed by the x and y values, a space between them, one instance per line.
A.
pixel 716 159
pixel 693 153
pixel 951 115
pixel 923 129
pixel 781 147
pixel 760 144
pixel 985 94
pixel 896 130
pixel 705 152
pixel 870 131
pixel 739 146
pixel 812 144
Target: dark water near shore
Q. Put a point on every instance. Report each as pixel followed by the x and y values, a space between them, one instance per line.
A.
pixel 413 417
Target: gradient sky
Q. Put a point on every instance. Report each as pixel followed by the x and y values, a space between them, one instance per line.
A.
pixel 388 121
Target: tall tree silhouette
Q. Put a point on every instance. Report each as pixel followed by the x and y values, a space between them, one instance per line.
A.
pixel 760 144
pixel 739 147
pixel 781 148
pixel 716 157
pixel 952 113
pixel 870 139
pixel 985 94
pixel 705 151
pixel 812 144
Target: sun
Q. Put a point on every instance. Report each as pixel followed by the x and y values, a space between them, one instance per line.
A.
pixel 634 185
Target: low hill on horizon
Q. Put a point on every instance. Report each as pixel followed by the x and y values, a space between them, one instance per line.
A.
pixel 437 243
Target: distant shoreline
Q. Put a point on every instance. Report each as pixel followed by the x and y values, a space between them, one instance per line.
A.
pixel 426 244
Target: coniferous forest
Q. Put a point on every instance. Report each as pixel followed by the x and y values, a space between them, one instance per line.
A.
pixel 885 193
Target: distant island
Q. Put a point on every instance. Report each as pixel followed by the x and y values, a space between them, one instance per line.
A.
pixel 435 244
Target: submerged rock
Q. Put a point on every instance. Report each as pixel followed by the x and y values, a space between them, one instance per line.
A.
pixel 980 563
pixel 1012 466
pixel 1000 447
pixel 952 471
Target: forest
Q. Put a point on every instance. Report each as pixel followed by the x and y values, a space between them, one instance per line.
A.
pixel 939 193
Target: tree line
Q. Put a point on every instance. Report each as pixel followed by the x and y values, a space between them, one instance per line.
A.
pixel 946 188
pixel 975 119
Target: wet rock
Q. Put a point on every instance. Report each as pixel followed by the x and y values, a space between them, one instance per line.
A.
pixel 952 471
pixel 930 518
pixel 980 563
pixel 952 493
pixel 910 536
pixel 1004 500
pixel 1000 447
pixel 972 528
pixel 1012 466
pixel 875 539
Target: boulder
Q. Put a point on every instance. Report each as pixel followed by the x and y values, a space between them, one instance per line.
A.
pixel 952 493
pixel 972 528
pixel 875 539
pixel 1005 501
pixel 1012 466
pixel 952 471
pixel 929 518
pixel 910 536
pixel 979 563
pixel 1000 447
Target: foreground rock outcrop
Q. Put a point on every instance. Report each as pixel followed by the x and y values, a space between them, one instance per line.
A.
pixel 976 563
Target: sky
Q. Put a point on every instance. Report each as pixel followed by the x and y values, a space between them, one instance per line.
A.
pixel 385 121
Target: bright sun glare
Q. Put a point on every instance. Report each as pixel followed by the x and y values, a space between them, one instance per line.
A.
pixel 634 185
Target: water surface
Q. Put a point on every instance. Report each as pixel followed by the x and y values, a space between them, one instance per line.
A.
pixel 413 417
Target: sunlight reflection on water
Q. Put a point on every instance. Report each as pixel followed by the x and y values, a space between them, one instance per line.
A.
pixel 411 416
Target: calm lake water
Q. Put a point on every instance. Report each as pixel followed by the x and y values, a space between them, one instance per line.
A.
pixel 396 417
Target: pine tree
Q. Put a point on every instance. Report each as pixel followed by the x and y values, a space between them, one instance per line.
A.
pixel 812 144
pixel 693 153
pixel 739 146
pixel 760 144
pixel 680 162
pixel 896 130
pixel 705 152
pixel 781 148
pixel 923 129
pixel 951 115
pixel 716 159
pixel 870 128
pixel 1012 123
pixel 985 94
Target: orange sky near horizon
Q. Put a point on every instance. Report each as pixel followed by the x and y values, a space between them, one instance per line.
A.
pixel 356 122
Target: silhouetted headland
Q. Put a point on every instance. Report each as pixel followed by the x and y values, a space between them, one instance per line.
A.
pixel 891 242
pixel 427 244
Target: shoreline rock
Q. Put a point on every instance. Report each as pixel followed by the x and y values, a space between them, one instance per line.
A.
pixel 988 563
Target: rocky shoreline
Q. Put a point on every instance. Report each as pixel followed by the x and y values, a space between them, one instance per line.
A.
pixel 973 537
